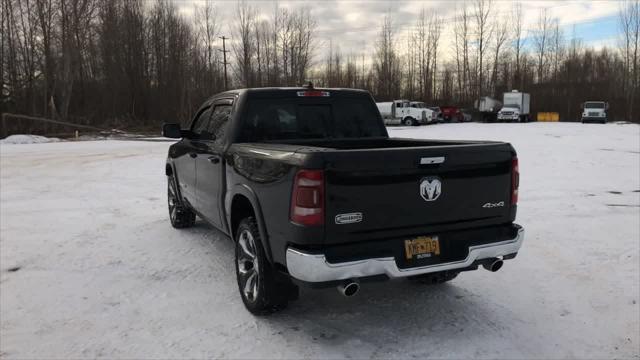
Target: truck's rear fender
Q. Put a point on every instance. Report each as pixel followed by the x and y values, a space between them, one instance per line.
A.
pixel 266 172
pixel 240 202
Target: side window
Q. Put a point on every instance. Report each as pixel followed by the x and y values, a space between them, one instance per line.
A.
pixel 219 121
pixel 200 124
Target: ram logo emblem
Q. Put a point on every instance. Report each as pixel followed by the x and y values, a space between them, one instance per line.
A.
pixel 430 188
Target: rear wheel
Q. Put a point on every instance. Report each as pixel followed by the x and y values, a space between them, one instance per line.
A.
pixel 180 216
pixel 435 278
pixel 260 291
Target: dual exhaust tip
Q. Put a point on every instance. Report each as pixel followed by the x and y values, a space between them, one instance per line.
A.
pixel 350 288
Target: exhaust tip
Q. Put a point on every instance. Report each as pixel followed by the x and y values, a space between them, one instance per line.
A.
pixel 349 288
pixel 493 265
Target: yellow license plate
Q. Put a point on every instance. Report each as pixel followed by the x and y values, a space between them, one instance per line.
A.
pixel 422 247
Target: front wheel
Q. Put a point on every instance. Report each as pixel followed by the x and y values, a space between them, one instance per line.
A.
pixel 409 122
pixel 180 216
pixel 260 292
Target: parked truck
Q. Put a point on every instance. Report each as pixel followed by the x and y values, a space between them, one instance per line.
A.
pixel 515 108
pixel 488 108
pixel 433 115
pixel 314 192
pixel 451 113
pixel 594 111
pixel 399 112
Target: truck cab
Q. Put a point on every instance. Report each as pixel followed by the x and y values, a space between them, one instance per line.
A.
pixel 402 112
pixel 516 107
pixel 594 111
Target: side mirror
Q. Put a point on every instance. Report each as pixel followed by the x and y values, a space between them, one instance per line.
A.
pixel 172 131
pixel 582 106
pixel 606 106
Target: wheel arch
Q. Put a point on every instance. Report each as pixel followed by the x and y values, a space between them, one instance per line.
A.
pixel 242 202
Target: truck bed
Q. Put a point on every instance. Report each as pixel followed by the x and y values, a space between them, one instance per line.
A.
pixel 380 179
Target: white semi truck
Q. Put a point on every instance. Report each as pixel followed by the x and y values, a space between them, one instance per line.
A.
pixel 401 112
pixel 594 111
pixel 516 107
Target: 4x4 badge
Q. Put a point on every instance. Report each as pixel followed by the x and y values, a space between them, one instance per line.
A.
pixel 430 188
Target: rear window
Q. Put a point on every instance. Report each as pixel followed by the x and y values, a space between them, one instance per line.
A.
pixel 310 118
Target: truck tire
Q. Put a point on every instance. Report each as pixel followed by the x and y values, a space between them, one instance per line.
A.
pixel 261 293
pixel 435 278
pixel 180 216
pixel 409 121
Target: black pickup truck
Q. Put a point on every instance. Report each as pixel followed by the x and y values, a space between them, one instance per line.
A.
pixel 314 192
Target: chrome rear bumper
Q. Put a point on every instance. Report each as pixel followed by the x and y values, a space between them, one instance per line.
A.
pixel 315 267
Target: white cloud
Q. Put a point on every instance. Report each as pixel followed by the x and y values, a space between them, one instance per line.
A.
pixel 354 25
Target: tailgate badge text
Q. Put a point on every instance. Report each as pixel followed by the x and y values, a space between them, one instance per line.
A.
pixel 349 218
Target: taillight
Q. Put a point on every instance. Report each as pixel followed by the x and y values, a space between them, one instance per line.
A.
pixel 307 198
pixel 515 180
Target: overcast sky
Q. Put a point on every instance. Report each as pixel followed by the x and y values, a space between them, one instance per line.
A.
pixel 353 25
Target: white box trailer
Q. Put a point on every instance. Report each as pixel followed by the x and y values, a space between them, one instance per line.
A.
pixel 488 105
pixel 401 112
pixel 488 108
pixel 516 107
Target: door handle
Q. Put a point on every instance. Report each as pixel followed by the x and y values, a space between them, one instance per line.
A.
pixel 214 159
pixel 193 155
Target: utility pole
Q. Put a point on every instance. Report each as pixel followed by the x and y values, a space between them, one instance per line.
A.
pixel 224 60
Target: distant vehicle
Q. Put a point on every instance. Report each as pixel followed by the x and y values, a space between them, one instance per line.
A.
pixel 516 107
pixel 488 108
pixel 400 112
pixel 304 181
pixel 431 114
pixel 466 115
pixel 437 114
pixel 451 113
pixel 594 111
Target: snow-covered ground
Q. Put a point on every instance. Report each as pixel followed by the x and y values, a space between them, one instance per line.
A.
pixel 99 271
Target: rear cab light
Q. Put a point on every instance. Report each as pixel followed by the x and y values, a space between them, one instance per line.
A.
pixel 515 180
pixel 307 198
pixel 313 93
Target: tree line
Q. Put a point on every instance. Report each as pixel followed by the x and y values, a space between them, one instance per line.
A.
pixel 137 63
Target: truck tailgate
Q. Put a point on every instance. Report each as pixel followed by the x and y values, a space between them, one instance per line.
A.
pixel 377 193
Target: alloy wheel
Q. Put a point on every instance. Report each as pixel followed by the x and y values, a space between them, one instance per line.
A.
pixel 248 266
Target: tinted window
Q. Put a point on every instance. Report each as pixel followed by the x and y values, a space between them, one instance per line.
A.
pixel 218 123
pixel 201 123
pixel 305 118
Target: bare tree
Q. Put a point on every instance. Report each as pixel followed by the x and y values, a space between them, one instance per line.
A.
pixel 541 39
pixel 208 27
pixel 243 48
pixel 483 34
pixel 386 63
pixel 518 41
pixel 462 33
pixel 629 18
pixel 501 32
pixel 557 47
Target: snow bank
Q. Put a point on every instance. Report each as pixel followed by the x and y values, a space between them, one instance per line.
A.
pixel 27 139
